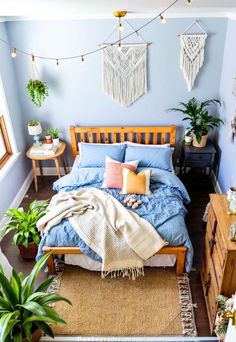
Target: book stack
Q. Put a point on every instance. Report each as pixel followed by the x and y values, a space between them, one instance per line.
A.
pixel 43 150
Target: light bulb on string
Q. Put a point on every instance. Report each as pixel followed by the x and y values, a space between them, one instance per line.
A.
pixel 189 2
pixel 163 19
pixel 33 59
pixel 120 27
pixel 82 59
pixel 13 54
pixel 57 63
pixel 119 47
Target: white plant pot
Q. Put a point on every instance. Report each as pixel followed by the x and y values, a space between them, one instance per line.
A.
pixel 35 130
pixel 188 139
pixel 56 141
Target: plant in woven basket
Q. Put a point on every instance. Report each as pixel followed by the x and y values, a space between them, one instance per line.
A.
pixel 24 310
pixel 225 304
pixel 38 91
pixel 23 223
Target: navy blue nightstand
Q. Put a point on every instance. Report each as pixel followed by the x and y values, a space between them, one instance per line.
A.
pixel 197 159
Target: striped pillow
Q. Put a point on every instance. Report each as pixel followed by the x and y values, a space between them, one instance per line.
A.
pixel 113 172
pixel 136 183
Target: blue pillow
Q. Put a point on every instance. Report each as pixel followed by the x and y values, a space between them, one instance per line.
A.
pixel 94 155
pixel 152 156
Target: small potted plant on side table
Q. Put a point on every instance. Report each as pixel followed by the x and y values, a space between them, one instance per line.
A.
pixel 201 122
pixel 26 312
pixel 55 136
pixel 26 235
pixel 48 136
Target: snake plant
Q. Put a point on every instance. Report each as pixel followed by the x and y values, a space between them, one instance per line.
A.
pixel 23 310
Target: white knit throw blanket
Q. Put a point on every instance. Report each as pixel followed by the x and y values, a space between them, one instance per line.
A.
pixel 191 56
pixel 125 72
pixel 122 238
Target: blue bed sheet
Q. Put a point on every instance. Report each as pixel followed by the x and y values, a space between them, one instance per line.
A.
pixel 164 209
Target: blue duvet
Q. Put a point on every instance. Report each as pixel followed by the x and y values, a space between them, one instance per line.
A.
pixel 164 209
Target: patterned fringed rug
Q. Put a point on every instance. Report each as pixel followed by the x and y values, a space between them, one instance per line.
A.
pixel 158 304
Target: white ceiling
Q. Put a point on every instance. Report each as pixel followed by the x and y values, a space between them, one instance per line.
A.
pixel 75 9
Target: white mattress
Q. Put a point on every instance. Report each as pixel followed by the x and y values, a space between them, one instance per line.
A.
pixel 162 260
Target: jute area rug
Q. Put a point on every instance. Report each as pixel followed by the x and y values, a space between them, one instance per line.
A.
pixel 157 304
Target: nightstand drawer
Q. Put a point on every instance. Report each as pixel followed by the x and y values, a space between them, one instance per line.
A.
pixel 198 159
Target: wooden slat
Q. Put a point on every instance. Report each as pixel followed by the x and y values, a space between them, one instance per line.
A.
pixel 163 138
pixel 106 138
pixel 90 137
pixel 131 131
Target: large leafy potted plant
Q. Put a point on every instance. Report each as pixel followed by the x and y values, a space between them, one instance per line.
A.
pixel 38 91
pixel 201 122
pixel 26 235
pixel 26 312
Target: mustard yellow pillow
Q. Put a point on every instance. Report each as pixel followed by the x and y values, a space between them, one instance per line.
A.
pixel 136 183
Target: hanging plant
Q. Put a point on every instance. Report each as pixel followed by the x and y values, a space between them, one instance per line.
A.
pixel 38 91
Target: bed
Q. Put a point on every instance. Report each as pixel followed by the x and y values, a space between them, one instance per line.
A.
pixel 180 245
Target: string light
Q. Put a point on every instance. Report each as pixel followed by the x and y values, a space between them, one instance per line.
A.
pixel 163 20
pixel 120 27
pixel 13 54
pixel 57 63
pixel 119 47
pixel 189 1
pixel 82 59
pixel 160 15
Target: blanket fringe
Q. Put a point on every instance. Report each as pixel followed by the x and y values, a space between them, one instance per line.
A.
pixel 187 313
pixel 132 273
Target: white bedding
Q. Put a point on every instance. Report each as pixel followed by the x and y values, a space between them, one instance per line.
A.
pixel 162 260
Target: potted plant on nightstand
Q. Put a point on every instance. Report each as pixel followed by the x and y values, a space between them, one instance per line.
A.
pixel 38 91
pixel 48 136
pixel 26 312
pixel 55 136
pixel 23 223
pixel 201 122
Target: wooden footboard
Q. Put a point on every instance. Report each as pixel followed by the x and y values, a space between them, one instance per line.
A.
pixel 179 251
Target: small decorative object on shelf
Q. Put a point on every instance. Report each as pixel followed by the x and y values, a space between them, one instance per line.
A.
pixel 48 137
pixel 188 137
pixel 225 306
pixel 35 129
pixel 231 196
pixel 232 232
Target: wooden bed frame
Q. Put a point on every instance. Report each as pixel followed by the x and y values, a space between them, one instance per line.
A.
pixel 145 135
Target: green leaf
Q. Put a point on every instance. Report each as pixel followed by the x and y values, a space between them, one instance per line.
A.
pixel 52 298
pixel 17 337
pixel 45 285
pixel 45 328
pixel 7 290
pixel 7 322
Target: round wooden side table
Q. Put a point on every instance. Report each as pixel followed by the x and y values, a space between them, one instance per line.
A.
pixel 40 158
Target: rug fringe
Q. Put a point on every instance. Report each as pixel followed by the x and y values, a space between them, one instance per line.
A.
pixel 187 313
pixel 132 273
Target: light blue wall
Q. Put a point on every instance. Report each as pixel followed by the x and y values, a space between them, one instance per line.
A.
pixel 76 95
pixel 227 171
pixel 11 184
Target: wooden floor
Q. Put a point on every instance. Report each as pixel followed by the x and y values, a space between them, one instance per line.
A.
pixel 199 196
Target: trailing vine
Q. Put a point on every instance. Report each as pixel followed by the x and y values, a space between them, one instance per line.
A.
pixel 38 91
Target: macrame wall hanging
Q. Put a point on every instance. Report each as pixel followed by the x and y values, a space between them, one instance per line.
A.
pixel 125 69
pixel 192 53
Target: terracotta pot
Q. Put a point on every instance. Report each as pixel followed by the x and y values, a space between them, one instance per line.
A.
pixel 35 337
pixel 48 139
pixel 30 252
pixel 202 142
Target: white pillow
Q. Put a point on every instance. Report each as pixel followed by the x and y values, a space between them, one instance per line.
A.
pixel 147 145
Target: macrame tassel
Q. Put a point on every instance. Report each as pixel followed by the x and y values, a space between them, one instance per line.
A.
pixel 191 56
pixel 125 73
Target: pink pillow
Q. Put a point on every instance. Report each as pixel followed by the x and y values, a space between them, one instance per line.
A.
pixel 113 172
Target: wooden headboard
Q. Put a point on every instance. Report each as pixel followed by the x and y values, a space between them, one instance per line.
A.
pixel 108 134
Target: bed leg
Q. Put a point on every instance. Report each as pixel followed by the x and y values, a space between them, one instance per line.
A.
pixel 180 262
pixel 51 265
